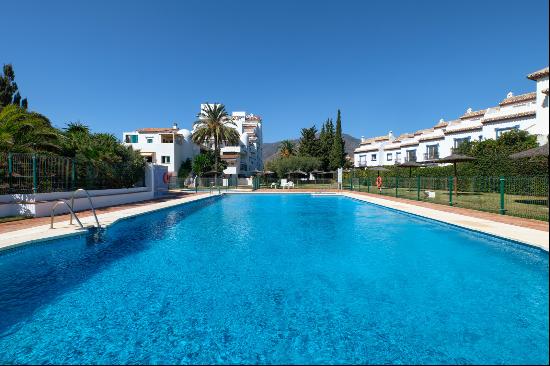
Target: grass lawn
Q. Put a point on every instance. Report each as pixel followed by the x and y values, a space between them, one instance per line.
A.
pixel 533 207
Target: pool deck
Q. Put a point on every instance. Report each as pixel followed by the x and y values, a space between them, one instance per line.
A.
pixel 530 232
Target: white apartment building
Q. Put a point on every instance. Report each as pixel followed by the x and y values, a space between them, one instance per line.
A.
pixel 528 112
pixel 246 157
pixel 164 146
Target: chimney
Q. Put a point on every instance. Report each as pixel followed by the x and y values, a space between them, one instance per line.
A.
pixel 469 110
pixel 509 95
pixel 175 126
pixel 390 135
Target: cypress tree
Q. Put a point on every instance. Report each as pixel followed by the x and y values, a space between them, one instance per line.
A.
pixel 326 138
pixel 337 154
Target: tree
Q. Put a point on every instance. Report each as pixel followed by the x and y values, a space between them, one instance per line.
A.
pixel 338 153
pixel 23 131
pixel 203 163
pixel 309 144
pixel 282 166
pixel 9 92
pixel 286 149
pixel 185 168
pixel 326 139
pixel 214 125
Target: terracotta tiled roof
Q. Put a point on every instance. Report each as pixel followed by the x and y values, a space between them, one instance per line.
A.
pixel 441 124
pixel 538 74
pixel 463 128
pixel 420 132
pixel 393 146
pixel 409 143
pixel 432 137
pixel 156 130
pixel 374 139
pixel 509 116
pixel 473 114
pixel 519 98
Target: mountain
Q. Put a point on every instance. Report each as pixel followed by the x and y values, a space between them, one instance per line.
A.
pixel 270 148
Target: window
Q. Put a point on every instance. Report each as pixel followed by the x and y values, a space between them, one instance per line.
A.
pixel 373 157
pixel 131 139
pixel 480 138
pixel 362 159
pixel 398 156
pixel 500 131
pixel 149 140
pixel 432 152
pixel 165 159
pixel 460 141
pixel 411 155
pixel 167 139
pixel 389 157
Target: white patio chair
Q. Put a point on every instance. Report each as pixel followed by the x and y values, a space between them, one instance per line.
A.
pixel 284 183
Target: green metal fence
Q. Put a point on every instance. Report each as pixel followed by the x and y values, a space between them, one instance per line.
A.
pixel 516 196
pixel 36 173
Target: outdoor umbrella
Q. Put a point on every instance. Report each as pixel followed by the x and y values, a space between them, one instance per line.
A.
pixel 410 165
pixel 456 158
pixel 257 172
pixel 378 169
pixel 532 153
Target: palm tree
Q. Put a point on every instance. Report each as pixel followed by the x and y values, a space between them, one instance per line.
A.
pixel 23 131
pixel 215 126
pixel 286 148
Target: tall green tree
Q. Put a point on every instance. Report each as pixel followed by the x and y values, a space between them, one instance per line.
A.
pixel 286 149
pixel 9 92
pixel 338 152
pixel 214 126
pixel 309 143
pixel 326 139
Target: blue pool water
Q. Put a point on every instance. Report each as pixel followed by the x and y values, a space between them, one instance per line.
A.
pixel 275 279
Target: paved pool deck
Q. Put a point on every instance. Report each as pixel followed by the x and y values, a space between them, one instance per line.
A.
pixel 530 232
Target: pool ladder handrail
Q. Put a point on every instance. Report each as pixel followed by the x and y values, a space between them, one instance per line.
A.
pixel 91 205
pixel 70 209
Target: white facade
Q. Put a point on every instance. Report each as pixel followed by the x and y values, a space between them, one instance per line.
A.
pixel 528 112
pixel 244 159
pixel 163 146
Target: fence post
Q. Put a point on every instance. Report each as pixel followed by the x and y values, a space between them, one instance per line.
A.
pixel 368 185
pixel 502 209
pixel 396 185
pixel 351 179
pixel 418 188
pixel 450 191
pixel 34 174
pixel 73 174
pixel 10 168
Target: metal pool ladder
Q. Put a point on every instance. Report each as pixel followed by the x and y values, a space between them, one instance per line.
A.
pixel 91 205
pixel 71 209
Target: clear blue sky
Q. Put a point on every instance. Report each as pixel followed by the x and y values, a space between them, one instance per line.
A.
pixel 400 65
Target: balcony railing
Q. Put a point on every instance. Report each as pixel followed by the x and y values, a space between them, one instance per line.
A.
pixel 431 155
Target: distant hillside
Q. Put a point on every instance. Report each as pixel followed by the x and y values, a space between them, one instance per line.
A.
pixel 270 148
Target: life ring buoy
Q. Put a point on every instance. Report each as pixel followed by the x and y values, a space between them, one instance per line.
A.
pixel 166 177
pixel 379 182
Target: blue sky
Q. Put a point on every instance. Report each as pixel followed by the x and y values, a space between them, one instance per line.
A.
pixel 399 65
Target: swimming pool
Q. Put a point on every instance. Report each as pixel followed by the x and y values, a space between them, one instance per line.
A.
pixel 275 279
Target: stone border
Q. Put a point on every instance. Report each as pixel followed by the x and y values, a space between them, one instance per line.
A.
pixel 62 229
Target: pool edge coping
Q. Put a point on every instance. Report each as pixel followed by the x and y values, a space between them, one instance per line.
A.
pixel 35 234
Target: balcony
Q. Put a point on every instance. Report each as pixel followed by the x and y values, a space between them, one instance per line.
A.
pixel 434 155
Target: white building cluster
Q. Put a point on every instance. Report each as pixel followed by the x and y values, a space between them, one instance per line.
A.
pixel 170 146
pixel 528 112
